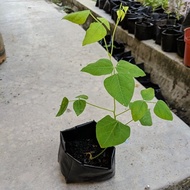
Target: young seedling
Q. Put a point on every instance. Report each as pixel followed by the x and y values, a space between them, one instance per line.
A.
pixel 119 83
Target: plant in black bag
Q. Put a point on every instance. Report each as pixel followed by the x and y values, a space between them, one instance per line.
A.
pixel 120 85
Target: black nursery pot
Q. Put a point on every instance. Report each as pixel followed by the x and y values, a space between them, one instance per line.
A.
pixel 131 23
pixel 181 46
pixel 168 40
pixel 75 165
pixel 144 30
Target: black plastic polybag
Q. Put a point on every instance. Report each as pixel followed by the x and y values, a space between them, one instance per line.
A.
pixel 75 171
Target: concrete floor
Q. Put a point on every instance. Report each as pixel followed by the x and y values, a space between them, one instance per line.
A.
pixel 44 56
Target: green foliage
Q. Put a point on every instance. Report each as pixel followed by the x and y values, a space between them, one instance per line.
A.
pixel 129 69
pixel 95 28
pixel 79 106
pixel 146 120
pixel 155 3
pixel 111 132
pixel 100 67
pixel 148 94
pixel 119 83
pixel 161 110
pixel 78 17
pixel 138 109
pixel 63 106
pixel 120 87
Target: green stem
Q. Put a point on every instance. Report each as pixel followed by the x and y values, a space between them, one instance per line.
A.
pixel 114 108
pixel 122 112
pixel 92 158
pixel 129 122
pixel 99 107
pixel 114 31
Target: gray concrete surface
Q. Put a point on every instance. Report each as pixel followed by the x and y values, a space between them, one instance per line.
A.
pixel 44 56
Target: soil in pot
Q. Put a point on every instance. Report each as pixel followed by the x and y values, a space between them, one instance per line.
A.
pixel 88 147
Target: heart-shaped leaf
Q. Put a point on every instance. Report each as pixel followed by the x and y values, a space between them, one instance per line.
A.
pixel 138 109
pixel 148 94
pixel 121 87
pixel 162 110
pixel 128 68
pixel 78 17
pixel 110 132
pixel 105 22
pixel 79 106
pixel 95 28
pixel 101 67
pixel 146 120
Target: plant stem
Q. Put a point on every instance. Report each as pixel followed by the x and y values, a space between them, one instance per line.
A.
pixel 91 157
pixel 122 112
pixel 99 107
pixel 114 108
pixel 113 34
pixel 129 122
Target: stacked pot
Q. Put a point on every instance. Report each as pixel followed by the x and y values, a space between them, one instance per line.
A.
pixel 166 29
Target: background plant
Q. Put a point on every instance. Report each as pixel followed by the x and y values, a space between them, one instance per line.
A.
pixel 155 3
pixel 119 83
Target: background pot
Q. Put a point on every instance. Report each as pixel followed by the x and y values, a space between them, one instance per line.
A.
pixel 180 46
pixel 73 169
pixel 168 40
pixel 144 30
pixel 187 47
pixel 131 23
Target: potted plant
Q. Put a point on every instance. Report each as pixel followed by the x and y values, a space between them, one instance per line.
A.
pixel 108 131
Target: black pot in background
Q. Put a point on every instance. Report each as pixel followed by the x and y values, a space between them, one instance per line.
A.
pixel 131 23
pixel 158 19
pixel 124 22
pixel 107 7
pixel 114 13
pixel 117 49
pixel 143 30
pixel 180 46
pixel 97 3
pixel 101 3
pixel 158 33
pixel 122 55
pixel 73 169
pixel 169 40
pixel 159 10
pixel 130 59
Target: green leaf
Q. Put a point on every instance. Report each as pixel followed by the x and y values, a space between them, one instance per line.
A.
pixel 110 132
pixel 79 106
pixel 125 9
pixel 162 110
pixel 148 94
pixel 128 68
pixel 105 22
pixel 120 14
pixel 78 17
pixel 63 107
pixel 95 33
pixel 138 109
pixel 83 96
pixel 146 120
pixel 121 87
pixel 100 67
